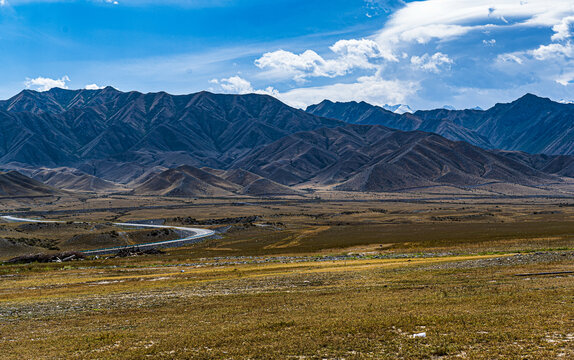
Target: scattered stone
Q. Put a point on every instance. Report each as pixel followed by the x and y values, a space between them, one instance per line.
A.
pixel 45 258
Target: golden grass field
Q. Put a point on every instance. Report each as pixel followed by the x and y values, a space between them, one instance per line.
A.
pixel 326 279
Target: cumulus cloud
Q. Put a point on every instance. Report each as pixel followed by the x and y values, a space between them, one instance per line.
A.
pixel 350 55
pixel 551 51
pixel 358 52
pixel 238 85
pixel 93 87
pixel 563 30
pixel 234 84
pixel 45 84
pixel 434 63
pixel 299 66
pixel 373 89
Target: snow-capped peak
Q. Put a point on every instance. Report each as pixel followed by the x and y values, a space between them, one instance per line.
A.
pixel 398 109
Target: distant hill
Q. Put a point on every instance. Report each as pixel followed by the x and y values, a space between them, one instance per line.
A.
pixel 367 114
pixel 74 180
pixel 12 183
pixel 186 181
pixel 376 158
pixel 257 185
pixel 190 181
pixel 531 124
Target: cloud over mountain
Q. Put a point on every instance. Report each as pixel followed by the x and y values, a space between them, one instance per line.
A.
pixel 44 84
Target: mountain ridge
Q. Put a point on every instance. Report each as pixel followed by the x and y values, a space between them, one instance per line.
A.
pixel 530 123
pixel 71 127
pixel 375 158
pixel 162 144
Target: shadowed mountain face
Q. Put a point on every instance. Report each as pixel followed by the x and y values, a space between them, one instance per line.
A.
pixel 64 127
pixel 375 158
pixel 12 183
pixel 75 139
pixel 531 124
pixel 73 179
pixel 190 181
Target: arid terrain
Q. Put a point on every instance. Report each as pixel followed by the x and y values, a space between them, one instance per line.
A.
pixel 333 275
pixel 329 180
pixel 216 226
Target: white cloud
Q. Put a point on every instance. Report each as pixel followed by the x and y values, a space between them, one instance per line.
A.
pixel 565 79
pixel 552 51
pixel 287 64
pixel 359 52
pixel 432 63
pixel 238 85
pixel 93 87
pixel 350 55
pixel 373 89
pixel 45 84
pixel 563 30
pixel 2 2
pixel 424 34
pixel 509 57
pixel 490 42
pixel 422 21
pixel 234 84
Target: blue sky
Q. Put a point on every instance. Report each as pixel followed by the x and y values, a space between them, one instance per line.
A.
pixel 423 53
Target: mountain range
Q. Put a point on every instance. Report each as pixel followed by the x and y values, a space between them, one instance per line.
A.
pixel 73 128
pixel 376 158
pixel 208 144
pixel 531 124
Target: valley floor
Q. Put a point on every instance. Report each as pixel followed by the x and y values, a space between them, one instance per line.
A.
pixel 302 279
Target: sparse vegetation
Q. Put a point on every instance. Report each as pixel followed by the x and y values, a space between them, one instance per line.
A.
pixel 45 258
pixel 49 244
pixel 322 279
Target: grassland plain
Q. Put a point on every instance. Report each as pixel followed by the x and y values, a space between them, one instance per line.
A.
pixel 307 279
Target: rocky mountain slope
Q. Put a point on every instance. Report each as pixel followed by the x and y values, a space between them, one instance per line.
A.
pixel 376 158
pixel 67 127
pixel 531 124
pixel 217 145
pixel 73 179
pixel 12 183
pixel 190 181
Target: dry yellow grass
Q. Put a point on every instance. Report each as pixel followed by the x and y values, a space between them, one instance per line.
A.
pixel 284 291
pixel 353 309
